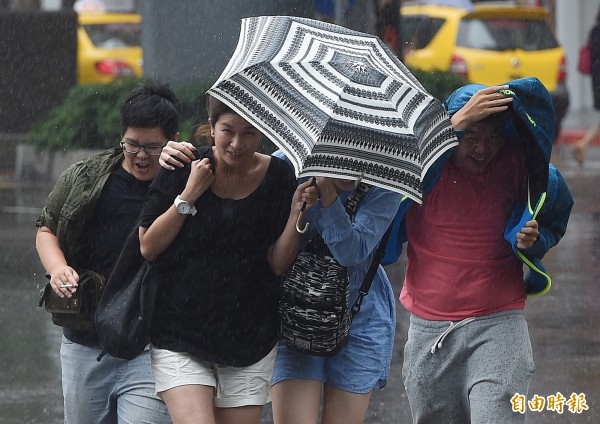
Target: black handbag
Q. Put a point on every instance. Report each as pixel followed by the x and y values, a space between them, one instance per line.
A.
pixel 75 312
pixel 124 314
pixel 313 309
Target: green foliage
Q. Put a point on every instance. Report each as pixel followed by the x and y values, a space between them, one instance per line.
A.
pixel 438 83
pixel 89 116
pixel 193 108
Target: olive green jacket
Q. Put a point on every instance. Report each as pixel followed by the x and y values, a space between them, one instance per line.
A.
pixel 70 204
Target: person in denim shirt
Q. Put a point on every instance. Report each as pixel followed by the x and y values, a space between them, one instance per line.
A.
pixel 344 382
pixel 88 215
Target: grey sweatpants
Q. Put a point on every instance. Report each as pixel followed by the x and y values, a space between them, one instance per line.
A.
pixel 472 376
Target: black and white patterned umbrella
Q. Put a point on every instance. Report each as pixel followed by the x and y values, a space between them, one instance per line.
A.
pixel 336 101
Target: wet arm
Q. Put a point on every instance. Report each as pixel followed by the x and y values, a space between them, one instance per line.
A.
pixel 162 232
pixel 282 253
pixel 155 239
pixel 48 247
pixel 482 104
pixel 54 261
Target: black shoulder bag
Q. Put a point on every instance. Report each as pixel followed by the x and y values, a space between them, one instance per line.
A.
pixel 124 314
pixel 75 312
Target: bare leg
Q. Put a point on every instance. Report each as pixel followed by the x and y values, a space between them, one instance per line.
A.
pixel 341 407
pixel 190 404
pixel 296 401
pixel 579 149
pixel 240 415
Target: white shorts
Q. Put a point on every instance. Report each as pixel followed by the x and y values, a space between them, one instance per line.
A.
pixel 234 386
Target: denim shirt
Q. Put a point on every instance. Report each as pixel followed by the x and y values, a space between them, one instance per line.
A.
pixel 352 240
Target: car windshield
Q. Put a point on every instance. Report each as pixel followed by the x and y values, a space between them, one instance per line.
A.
pixel 114 35
pixel 418 31
pixel 506 34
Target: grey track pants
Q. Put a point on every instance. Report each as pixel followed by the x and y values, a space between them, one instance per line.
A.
pixel 471 376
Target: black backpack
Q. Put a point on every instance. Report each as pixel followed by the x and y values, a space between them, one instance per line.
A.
pixel 313 309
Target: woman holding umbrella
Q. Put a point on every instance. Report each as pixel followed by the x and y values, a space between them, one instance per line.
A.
pixel 344 382
pixel 219 231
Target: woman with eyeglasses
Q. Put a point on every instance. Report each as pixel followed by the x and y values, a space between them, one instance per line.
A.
pixel 88 215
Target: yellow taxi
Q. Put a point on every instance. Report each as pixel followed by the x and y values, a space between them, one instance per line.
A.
pixel 108 47
pixel 488 44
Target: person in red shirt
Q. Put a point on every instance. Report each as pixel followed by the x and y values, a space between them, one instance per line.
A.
pixel 468 350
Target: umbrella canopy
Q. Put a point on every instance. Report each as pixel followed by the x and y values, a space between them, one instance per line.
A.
pixel 336 101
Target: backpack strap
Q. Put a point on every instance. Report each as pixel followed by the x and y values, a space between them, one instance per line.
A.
pixel 377 257
pixel 368 280
pixel 356 197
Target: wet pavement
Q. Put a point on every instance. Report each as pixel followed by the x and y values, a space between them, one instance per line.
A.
pixel 563 324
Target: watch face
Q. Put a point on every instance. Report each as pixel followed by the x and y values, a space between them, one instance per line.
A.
pixel 183 208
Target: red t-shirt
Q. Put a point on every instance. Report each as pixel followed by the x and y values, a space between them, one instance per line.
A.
pixel 458 263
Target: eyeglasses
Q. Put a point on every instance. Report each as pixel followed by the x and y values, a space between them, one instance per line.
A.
pixel 134 148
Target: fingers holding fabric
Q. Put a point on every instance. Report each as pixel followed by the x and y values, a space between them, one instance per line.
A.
pixel 528 235
pixel 176 154
pixel 200 179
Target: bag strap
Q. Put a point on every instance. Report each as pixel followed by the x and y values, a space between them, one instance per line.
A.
pixel 317 244
pixel 368 280
pixel 356 197
pixel 351 205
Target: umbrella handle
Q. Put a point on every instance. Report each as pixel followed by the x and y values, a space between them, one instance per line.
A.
pixel 313 181
pixel 300 215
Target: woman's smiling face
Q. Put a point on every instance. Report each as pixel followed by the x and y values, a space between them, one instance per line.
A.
pixel 236 140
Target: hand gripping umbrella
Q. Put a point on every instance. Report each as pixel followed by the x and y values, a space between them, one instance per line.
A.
pixel 336 101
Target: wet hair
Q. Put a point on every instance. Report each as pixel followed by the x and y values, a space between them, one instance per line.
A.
pixel 151 105
pixel 500 117
pixel 214 108
pixel 505 121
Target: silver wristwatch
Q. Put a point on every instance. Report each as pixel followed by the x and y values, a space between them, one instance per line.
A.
pixel 183 207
